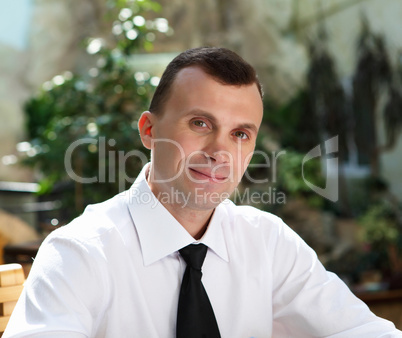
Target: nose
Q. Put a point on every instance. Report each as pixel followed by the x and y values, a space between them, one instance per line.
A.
pixel 217 149
pixel 221 156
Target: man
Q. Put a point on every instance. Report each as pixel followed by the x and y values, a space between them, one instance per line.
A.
pixel 117 270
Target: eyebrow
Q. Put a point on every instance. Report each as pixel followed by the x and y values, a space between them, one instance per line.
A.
pixel 209 116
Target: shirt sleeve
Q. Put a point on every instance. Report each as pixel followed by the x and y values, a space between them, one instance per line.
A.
pixel 309 301
pixel 62 293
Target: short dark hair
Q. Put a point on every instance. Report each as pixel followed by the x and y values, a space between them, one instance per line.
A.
pixel 222 64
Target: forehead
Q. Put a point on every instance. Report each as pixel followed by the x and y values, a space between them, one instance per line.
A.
pixel 195 78
pixel 193 89
pixel 190 74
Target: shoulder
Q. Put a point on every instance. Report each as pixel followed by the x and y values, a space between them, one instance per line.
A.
pixel 250 216
pixel 89 243
pixel 97 221
pixel 247 223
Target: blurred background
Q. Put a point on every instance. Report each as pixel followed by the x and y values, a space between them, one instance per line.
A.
pixel 330 68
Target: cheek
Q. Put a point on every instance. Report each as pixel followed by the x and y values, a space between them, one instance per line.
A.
pixel 243 160
pixel 167 151
pixel 246 158
pixel 243 156
pixel 189 146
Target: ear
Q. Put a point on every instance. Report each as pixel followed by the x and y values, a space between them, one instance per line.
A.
pixel 145 125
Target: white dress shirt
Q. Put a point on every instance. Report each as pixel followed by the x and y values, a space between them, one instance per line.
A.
pixel 115 271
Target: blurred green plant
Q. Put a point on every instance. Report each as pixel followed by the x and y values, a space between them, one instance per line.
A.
pixel 290 177
pixel 291 128
pixel 293 123
pixel 379 227
pixel 282 169
pixel 382 235
pixel 101 107
pixel 133 29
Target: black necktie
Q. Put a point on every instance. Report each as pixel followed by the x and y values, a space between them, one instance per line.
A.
pixel 195 316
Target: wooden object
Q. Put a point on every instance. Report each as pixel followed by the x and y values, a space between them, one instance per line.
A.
pixel 11 284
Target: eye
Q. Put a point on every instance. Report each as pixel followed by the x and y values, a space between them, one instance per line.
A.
pixel 199 123
pixel 241 135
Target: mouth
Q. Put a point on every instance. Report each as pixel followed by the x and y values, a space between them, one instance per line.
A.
pixel 207 175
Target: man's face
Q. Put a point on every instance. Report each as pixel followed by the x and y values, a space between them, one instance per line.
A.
pixel 203 140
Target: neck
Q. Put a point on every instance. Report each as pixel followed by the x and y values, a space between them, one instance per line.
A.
pixel 194 221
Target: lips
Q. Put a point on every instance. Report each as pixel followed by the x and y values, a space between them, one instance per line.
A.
pixel 208 175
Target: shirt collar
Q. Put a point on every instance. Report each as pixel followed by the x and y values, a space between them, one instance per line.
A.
pixel 160 234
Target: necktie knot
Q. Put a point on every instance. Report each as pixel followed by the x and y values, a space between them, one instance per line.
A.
pixel 194 255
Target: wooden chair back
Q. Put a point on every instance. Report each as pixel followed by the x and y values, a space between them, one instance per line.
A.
pixel 11 284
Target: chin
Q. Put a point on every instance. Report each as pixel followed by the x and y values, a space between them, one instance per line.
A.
pixel 202 206
pixel 206 199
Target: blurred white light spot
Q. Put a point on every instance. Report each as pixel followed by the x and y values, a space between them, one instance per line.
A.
pixel 92 129
pixel 139 76
pixel 32 152
pixel 48 85
pixel 93 72
pixel 94 46
pixel 132 34
pixel 9 159
pixel 80 85
pixel 125 13
pixel 101 62
pixel 161 25
pixel 150 37
pixel 139 21
pixel 149 24
pixel 58 80
pixel 67 75
pixel 23 146
pixel 54 222
pixel 128 25
pixel 154 80
pixel 116 53
pixel 117 29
